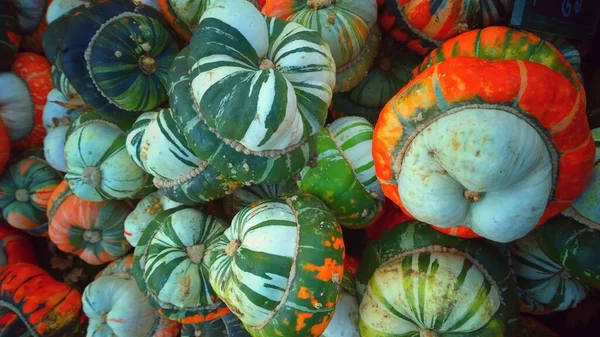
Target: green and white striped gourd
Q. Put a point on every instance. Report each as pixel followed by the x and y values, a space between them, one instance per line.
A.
pixel 544 285
pixel 245 196
pixel 225 326
pixel 171 267
pixel 349 27
pixel 61 82
pixel 391 71
pixel 343 175
pixel 145 211
pixel 251 109
pixel 98 165
pixel 156 145
pixel 417 281
pixel 279 266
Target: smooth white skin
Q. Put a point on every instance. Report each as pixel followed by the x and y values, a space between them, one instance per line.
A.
pixel 138 220
pixel 53 111
pixel 54 147
pixel 129 313
pixel 488 151
pixel 345 319
pixel 16 106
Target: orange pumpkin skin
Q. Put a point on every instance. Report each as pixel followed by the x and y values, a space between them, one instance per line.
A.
pixel 174 21
pixel 36 70
pixel 4 146
pixel 16 245
pixel 50 308
pixel 70 217
pixel 522 84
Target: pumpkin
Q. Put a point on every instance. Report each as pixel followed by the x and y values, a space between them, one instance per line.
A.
pixel 56 115
pixel 349 28
pixel 390 72
pixel 11 325
pixel 30 13
pixel 145 211
pixel 171 267
pixel 544 285
pixel 567 49
pixel 98 165
pixel 10 36
pixel 61 83
pixel 424 24
pixel 391 216
pixel 519 150
pixel 108 302
pixel 280 287
pixel 91 230
pixel 15 247
pixel 225 326
pixel 271 139
pixel 32 42
pixel 156 145
pixel 184 15
pixel 4 146
pixel 16 107
pixel 46 307
pixel 36 71
pixel 417 281
pixel 346 317
pixel 25 190
pixel 247 195
pixel 127 52
pixel 343 175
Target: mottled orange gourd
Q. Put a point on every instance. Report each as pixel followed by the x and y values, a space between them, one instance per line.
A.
pixel 36 71
pixel 16 245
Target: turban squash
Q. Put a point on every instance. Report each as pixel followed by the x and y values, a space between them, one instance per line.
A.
pixel 491 136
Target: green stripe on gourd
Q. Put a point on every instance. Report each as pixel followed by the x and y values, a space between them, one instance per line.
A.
pixel 279 266
pixel 544 286
pixel 224 157
pixel 156 145
pixel 391 71
pixel 98 165
pixel 171 267
pixel 93 115
pixel 350 29
pixel 344 174
pixel 433 291
pixel 566 48
pixel 128 59
pixel 61 82
pixel 273 78
pixel 245 196
pixel 574 246
pixel 412 239
pixel 225 326
pixel 145 211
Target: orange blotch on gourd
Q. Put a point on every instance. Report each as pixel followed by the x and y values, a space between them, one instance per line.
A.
pixel 301 320
pixel 198 318
pixel 25 165
pixel 318 329
pixel 20 221
pixel 329 271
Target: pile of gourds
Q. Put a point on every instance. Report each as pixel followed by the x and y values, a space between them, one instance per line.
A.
pixel 215 154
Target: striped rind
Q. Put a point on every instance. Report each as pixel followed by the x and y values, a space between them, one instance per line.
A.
pixel 572 245
pixel 102 145
pixel 585 208
pixel 145 211
pixel 436 291
pixel 38 179
pixel 344 173
pixel 175 285
pixel 274 108
pixel 235 165
pixel 271 284
pixel 415 235
pixel 61 82
pixel 113 60
pixel 225 326
pixel 156 145
pixel 245 196
pixel 543 286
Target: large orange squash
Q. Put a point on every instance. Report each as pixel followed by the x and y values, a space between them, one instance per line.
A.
pixel 495 142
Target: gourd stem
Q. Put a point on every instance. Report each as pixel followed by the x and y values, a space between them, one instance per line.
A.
pixel 265 64
pixel 232 247
pixel 385 63
pixel 92 236
pixel 91 175
pixel 428 333
pixel 318 4
pixel 22 195
pixel 473 196
pixel 195 253
pixel 147 64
